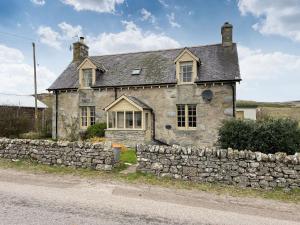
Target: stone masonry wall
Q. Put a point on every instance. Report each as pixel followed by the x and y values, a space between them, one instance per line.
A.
pixel 76 154
pixel 243 168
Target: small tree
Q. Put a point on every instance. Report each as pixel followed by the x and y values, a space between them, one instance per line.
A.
pixel 96 130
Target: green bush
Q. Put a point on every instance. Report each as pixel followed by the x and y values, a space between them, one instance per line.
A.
pixel 96 130
pixel 267 136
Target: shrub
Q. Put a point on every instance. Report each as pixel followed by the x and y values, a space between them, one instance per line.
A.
pixel 96 130
pixel 268 135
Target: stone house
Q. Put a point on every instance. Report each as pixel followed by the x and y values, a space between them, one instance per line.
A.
pixel 168 96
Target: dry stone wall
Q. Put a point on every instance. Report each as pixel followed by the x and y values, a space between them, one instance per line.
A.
pixel 75 154
pixel 243 168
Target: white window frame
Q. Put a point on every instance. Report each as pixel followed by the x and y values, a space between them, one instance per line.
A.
pixel 186 117
pixel 90 119
pixel 124 126
pixel 182 65
pixel 84 76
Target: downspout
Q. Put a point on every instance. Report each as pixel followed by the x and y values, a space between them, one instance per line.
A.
pixel 56 113
pixel 233 98
pixel 116 93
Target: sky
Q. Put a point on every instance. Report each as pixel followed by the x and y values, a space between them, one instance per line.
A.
pixel 267 33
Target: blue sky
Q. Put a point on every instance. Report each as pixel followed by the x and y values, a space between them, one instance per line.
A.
pixel 267 33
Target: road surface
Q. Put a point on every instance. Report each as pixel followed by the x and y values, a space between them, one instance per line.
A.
pixel 27 198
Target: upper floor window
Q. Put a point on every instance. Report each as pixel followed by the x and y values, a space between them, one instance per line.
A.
pixel 186 72
pixel 87 77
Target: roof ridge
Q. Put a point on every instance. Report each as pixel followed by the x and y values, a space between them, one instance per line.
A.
pixel 158 50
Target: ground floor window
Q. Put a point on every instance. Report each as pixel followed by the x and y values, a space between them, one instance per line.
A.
pixel 87 116
pixel 124 119
pixel 186 116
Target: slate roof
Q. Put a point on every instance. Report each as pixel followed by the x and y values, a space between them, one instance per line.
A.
pixel 139 102
pixel 218 63
pixel 20 101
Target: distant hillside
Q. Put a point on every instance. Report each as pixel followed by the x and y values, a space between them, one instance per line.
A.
pixel 253 104
pixel 273 109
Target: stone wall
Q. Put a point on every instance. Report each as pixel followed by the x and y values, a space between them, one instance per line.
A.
pixel 128 138
pixel 75 154
pixel 243 168
pixel 163 101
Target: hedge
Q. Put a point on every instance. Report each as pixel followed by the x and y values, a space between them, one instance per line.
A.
pixel 267 136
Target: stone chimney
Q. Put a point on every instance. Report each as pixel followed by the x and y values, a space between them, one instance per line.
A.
pixel 80 50
pixel 226 32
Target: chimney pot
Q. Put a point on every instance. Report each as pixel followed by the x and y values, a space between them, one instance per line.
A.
pixel 226 32
pixel 80 50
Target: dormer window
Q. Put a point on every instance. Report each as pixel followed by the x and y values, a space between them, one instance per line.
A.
pixel 186 72
pixel 87 77
pixel 186 67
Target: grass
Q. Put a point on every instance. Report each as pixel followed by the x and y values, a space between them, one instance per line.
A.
pixel 149 179
pixel 128 156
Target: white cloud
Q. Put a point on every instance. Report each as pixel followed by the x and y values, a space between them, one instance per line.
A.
pixel 101 6
pixel 130 40
pixel 274 16
pixel 146 15
pixel 69 31
pixel 49 36
pixel 39 2
pixel 16 76
pixel 54 39
pixel 163 3
pixel 171 18
pixel 268 76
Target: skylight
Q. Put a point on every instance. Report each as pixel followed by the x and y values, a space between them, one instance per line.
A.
pixel 136 72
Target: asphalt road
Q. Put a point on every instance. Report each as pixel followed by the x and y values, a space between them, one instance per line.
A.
pixel 46 199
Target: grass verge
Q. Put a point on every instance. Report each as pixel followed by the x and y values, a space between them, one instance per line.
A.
pixel 148 179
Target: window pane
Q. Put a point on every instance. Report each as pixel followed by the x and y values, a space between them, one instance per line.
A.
pixel 192 115
pixel 120 119
pixel 186 72
pixel 181 115
pixel 112 119
pixel 92 115
pixel 87 77
pixel 129 119
pixel 138 119
pixel 84 116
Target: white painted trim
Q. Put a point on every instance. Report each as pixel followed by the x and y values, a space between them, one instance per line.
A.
pixel 186 51
pixel 119 99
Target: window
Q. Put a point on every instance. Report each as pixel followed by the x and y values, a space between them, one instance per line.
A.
pixel 87 77
pixel 87 116
pixel 138 119
pixel 136 72
pixel 92 115
pixel 186 116
pixel 124 120
pixel 186 72
pixel 129 119
pixel 111 119
pixel 120 119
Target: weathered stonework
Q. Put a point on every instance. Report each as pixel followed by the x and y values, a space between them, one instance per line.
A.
pixel 128 138
pixel 243 168
pixel 75 154
pixel 163 101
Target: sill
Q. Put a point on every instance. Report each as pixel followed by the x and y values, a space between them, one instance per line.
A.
pixel 185 83
pixel 85 88
pixel 123 129
pixel 187 129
